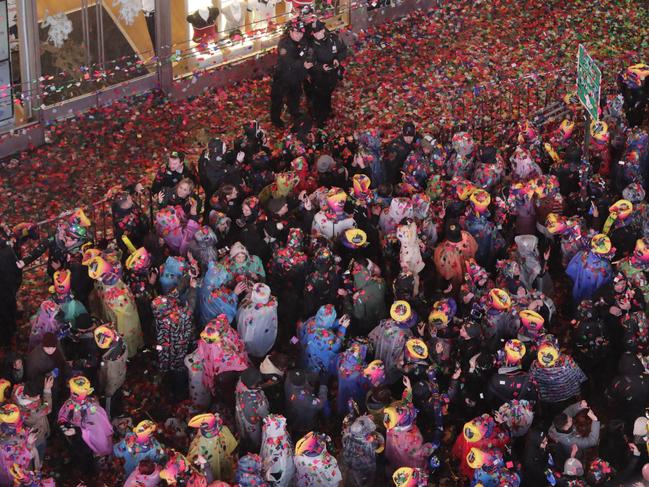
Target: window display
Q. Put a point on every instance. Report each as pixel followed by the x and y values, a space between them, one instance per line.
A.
pixel 87 45
pixel 209 33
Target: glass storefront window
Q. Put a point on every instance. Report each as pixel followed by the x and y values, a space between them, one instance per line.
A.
pixel 87 45
pixel 209 33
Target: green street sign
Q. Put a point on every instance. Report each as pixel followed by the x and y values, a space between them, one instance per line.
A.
pixel 589 82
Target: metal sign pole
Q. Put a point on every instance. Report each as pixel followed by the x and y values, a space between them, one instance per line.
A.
pixel 585 154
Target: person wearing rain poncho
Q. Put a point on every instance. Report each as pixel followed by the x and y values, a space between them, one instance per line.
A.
pixel 390 336
pixel 426 160
pixel 118 303
pixel 480 433
pixel 461 160
pixel 499 319
pixel 410 477
pixel 321 284
pixel 277 452
pixel 174 332
pixel 214 297
pixel 177 231
pixel 332 220
pixel 355 376
pixel 404 443
pixel 361 446
pixel 257 321
pixel 221 355
pixel 16 445
pixel 29 478
pixel 81 413
pixel 571 235
pixel 489 468
pixel 249 472
pixel 410 252
pixel 364 295
pixel 314 465
pixel 623 227
pixel 451 254
pixel 48 319
pixel 636 266
pixel 489 169
pixel 141 280
pixel 179 471
pixel 557 375
pixel 243 266
pixel 172 272
pixel 112 368
pixel 251 407
pixel 321 338
pixel 202 247
pixel 590 270
pixel 215 444
pixel 139 444
pixel 369 149
pixel 71 308
pixel 489 240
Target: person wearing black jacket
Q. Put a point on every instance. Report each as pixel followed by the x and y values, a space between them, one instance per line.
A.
pixel 289 74
pixel 10 279
pixel 214 170
pixel 328 51
pixel 172 173
pixel 398 151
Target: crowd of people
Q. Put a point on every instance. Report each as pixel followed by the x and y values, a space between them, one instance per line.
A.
pixel 351 312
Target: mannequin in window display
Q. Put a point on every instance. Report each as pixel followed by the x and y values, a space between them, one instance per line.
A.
pixel 203 21
pixel 233 13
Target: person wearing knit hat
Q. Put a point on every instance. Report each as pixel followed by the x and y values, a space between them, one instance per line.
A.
pixel 398 150
pixel 139 445
pixel 215 443
pixel 591 269
pixel 241 265
pixel 390 336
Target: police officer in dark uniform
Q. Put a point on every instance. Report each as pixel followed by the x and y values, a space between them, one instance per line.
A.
pixel 328 51
pixel 290 72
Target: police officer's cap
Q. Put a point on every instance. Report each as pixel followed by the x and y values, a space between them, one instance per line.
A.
pixel 317 26
pixel 296 25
